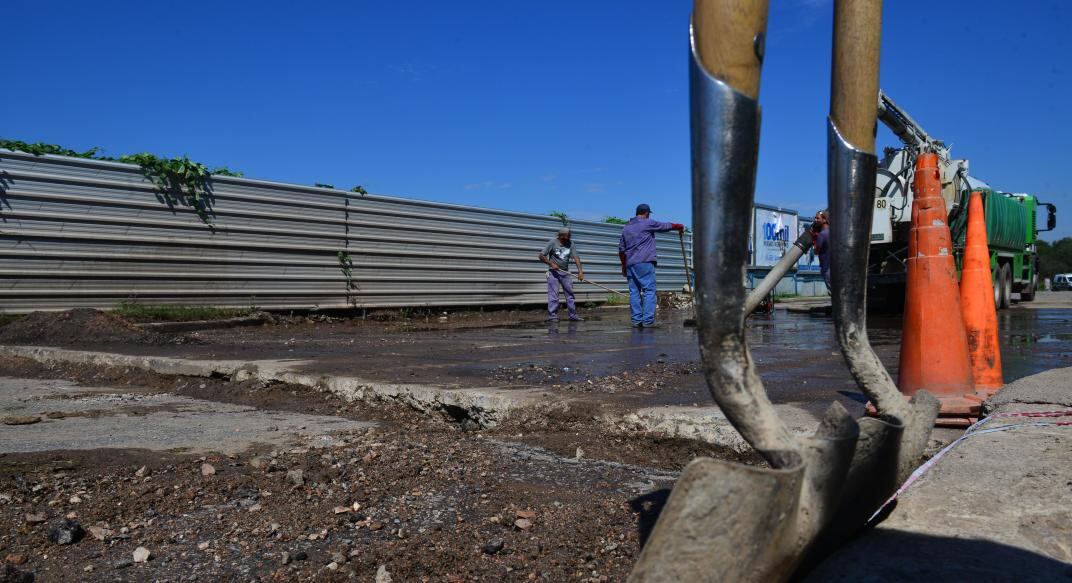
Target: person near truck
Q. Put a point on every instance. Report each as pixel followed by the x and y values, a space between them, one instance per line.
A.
pixel 557 255
pixel 636 250
pixel 820 228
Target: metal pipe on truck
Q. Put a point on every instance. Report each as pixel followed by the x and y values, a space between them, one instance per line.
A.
pixel 764 287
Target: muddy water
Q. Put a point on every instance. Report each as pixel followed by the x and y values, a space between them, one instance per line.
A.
pixel 795 354
pixel 1034 340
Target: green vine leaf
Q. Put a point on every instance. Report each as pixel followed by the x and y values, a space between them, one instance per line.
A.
pixel 179 180
pixel 225 171
pixel 561 216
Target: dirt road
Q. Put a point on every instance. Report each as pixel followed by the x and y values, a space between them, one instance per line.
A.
pixel 300 485
pixel 222 477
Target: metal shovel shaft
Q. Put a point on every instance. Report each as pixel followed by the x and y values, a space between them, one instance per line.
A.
pixel 725 147
pixel 726 521
pixel 765 285
pixel 851 192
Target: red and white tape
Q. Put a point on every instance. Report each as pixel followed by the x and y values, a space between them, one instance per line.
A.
pixel 975 430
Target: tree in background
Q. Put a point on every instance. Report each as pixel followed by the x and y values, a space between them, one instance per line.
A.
pixel 1055 257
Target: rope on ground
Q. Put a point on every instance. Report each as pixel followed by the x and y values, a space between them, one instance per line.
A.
pixel 972 431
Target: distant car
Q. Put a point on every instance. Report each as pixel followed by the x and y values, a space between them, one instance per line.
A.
pixel 1062 281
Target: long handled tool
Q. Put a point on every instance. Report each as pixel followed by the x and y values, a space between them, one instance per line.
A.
pixel 599 285
pixel 764 287
pixel 685 260
pixel 731 522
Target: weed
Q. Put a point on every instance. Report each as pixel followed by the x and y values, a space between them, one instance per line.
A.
pixel 323 185
pixel 616 300
pixel 177 176
pixel 561 216
pixel 181 177
pixel 41 148
pixel 615 220
pixel 346 265
pixel 359 190
pixel 136 312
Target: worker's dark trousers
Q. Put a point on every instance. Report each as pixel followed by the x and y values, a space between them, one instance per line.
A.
pixel 554 278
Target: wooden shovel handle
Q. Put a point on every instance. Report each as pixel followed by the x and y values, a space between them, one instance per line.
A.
pixel 729 37
pixel 685 258
pixel 854 79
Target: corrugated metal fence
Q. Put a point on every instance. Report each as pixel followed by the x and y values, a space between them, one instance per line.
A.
pixel 86 233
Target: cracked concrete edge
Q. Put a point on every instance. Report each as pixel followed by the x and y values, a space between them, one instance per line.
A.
pixel 486 407
pixel 996 508
pixel 706 424
pixel 678 422
pixel 483 406
pixel 1051 387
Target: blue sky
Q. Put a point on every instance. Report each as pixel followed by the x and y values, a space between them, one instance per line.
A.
pixel 574 106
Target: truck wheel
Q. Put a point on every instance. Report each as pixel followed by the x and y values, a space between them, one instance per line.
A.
pixel 1006 286
pixel 1028 293
pixel 996 279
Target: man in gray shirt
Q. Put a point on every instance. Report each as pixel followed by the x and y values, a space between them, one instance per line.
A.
pixel 557 254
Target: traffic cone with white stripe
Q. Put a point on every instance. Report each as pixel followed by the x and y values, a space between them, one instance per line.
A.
pixel 977 300
pixel 934 344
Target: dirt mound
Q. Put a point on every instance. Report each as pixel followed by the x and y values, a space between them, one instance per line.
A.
pixel 80 327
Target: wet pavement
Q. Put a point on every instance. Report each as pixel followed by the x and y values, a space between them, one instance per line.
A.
pixel 1034 340
pixel 795 353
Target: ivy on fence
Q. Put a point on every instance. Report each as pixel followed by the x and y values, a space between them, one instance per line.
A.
pixel 179 179
pixel 183 181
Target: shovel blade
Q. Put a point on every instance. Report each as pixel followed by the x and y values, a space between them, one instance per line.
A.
pixel 724 521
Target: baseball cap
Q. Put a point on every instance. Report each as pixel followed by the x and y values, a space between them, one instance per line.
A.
pixel 564 231
pixel 642 208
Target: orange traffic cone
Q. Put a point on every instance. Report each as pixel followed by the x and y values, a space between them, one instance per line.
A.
pixel 977 299
pixel 934 344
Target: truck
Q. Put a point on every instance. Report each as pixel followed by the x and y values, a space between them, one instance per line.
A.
pixel 1011 218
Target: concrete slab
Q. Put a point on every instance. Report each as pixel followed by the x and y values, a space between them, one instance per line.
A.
pixel 482 406
pixel 74 417
pixel 996 507
pixel 1053 387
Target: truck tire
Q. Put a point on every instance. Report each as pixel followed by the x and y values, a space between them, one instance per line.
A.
pixel 1028 293
pixel 995 277
pixel 1006 286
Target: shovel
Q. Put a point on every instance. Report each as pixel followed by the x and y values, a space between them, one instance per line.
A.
pixel 600 286
pixel 685 260
pixel 731 522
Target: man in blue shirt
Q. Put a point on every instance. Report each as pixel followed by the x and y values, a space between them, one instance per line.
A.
pixel 636 249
